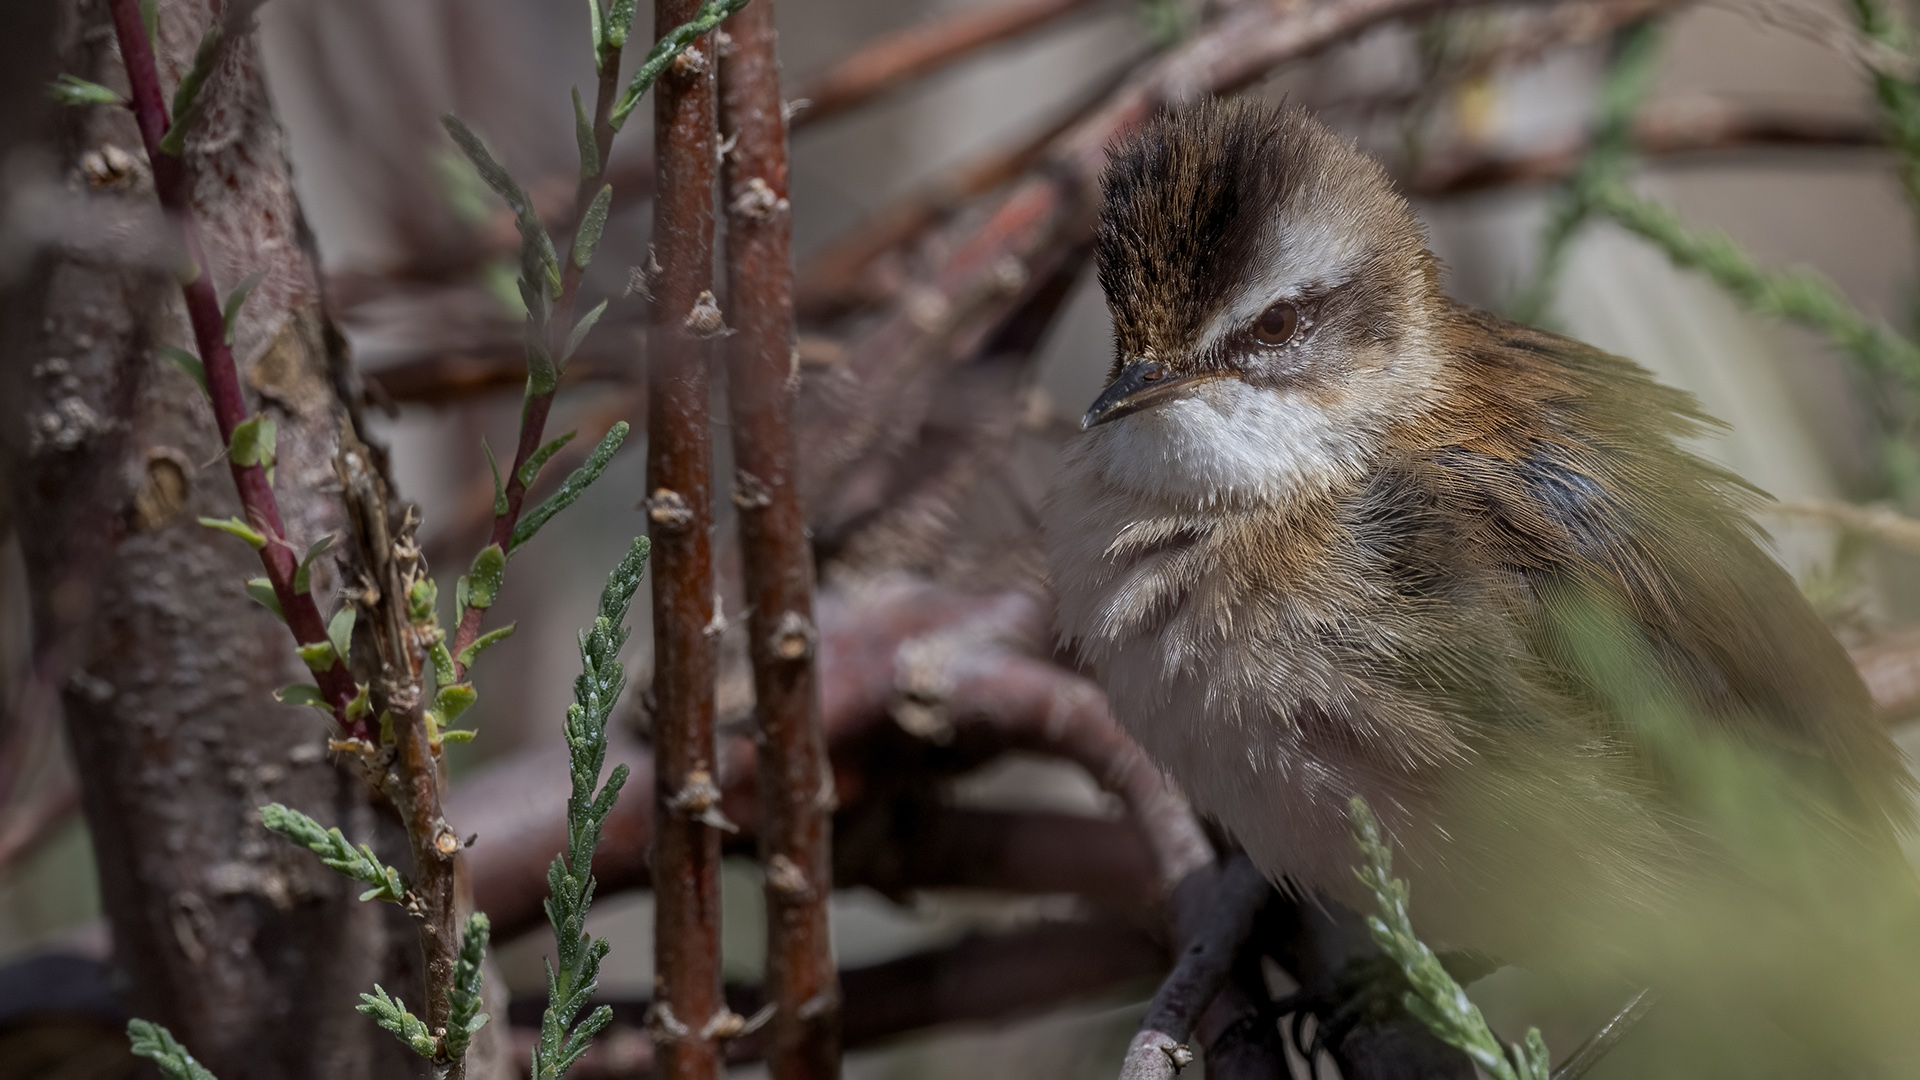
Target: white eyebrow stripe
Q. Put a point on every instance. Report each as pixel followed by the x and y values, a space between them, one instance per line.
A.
pixel 1314 254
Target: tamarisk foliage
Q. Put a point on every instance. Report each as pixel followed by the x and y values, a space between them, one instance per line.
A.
pixel 1435 999
pixel 155 1043
pixel 562 1039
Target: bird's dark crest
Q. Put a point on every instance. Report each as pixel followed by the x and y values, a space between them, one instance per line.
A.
pixel 1188 204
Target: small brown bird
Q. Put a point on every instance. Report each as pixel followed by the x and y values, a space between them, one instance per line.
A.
pixel 1329 533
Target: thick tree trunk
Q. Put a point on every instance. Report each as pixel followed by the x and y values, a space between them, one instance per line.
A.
pixel 249 949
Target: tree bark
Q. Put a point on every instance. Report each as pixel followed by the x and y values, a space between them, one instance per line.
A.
pixel 252 952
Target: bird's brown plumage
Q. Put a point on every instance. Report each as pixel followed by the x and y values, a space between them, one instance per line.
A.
pixel 1482 557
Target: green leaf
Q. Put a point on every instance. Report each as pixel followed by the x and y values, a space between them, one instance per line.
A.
pixel 303 577
pixel 190 364
pixel 619 23
pixel 484 642
pixel 580 330
pixel 499 489
pixel 74 90
pixel 262 592
pixel 157 1044
pixel 483 580
pixel 340 631
pixel 362 703
pixel 421 597
pixel 530 471
pixel 489 168
pixel 596 20
pixel 666 49
pixel 583 131
pixel 462 593
pixel 572 489
pixel 458 735
pixel 186 98
pixel 442 664
pixel 318 656
pixel 254 441
pixel 592 224
pixel 463 997
pixel 238 528
pixel 453 700
pixel 230 311
pixel 359 863
pixel 542 376
pixel 150 19
pixel 302 694
pixel 393 1016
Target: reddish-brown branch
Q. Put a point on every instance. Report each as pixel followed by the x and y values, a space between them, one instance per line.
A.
pixel 171 185
pixel 796 785
pixel 1214 912
pixel 918 51
pixel 847 274
pixel 683 322
pixel 1661 130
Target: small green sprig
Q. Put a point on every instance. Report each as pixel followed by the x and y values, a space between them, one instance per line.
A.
pixel 571 489
pixel 1898 94
pixel 1626 85
pixel 337 852
pixel 1799 296
pixel 1436 1000
pixel 464 1017
pixel 394 1017
pixel 570 878
pixel 157 1044
pixel 668 49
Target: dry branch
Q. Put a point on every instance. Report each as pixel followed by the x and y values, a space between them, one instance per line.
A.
pixel 795 781
pixel 683 322
pixel 913 53
pixel 1661 130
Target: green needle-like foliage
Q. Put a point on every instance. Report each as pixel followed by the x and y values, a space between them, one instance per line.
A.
pixel 666 49
pixel 463 997
pixel 1795 295
pixel 570 878
pixel 393 1016
pixel 1436 1000
pixel 360 864
pixel 1625 87
pixel 1899 96
pixel 574 486
pixel 150 1040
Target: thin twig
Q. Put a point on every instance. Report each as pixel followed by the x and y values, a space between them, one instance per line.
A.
pixel 539 402
pixel 683 322
pixel 172 185
pixel 918 51
pixel 796 783
pixel 1226 900
pixel 1661 130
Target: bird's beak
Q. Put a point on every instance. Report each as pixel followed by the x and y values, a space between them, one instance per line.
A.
pixel 1140 385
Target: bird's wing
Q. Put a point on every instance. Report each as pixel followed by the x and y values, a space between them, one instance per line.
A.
pixel 1644 578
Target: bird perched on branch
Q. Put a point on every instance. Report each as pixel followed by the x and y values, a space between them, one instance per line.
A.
pixel 1329 533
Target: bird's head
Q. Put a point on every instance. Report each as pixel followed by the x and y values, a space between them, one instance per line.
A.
pixel 1275 307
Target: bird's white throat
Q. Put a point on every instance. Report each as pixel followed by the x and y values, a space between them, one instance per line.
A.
pixel 1231 444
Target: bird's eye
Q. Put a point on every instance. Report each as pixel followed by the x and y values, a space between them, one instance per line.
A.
pixel 1277 324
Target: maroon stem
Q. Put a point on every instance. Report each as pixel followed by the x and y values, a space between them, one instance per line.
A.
pixel 171 185
pixel 682 321
pixel 796 785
